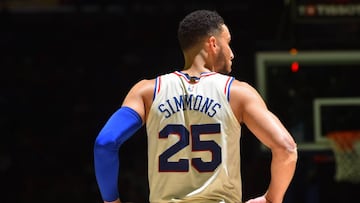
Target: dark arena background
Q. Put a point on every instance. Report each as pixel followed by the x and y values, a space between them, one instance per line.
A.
pixel 66 66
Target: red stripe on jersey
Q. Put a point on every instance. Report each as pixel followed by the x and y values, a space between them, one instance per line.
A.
pixel 159 82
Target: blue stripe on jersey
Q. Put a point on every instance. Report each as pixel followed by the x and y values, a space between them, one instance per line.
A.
pixel 156 87
pixel 228 88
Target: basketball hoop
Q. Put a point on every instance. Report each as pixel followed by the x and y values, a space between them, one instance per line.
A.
pixel 346 147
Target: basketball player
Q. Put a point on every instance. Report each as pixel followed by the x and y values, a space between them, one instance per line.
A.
pixel 193 120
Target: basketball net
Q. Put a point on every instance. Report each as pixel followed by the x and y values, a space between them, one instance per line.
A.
pixel 346 147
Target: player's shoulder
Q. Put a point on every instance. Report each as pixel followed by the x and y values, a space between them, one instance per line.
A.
pixel 149 83
pixel 146 82
pixel 243 89
pixel 144 85
pixel 242 84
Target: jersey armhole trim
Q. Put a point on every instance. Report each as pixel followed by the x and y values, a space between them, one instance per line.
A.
pixel 227 87
pixel 157 86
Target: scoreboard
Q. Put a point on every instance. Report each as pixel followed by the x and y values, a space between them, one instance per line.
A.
pixel 313 11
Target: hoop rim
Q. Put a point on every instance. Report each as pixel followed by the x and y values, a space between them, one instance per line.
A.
pixel 344 139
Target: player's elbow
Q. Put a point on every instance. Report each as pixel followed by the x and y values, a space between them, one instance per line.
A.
pixel 103 140
pixel 290 145
pixel 292 148
pixel 292 153
pixel 287 150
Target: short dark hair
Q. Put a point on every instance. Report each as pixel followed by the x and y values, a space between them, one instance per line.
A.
pixel 198 24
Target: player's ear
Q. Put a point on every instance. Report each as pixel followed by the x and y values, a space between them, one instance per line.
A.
pixel 212 43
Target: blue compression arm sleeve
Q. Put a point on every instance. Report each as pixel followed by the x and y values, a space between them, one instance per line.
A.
pixel 120 127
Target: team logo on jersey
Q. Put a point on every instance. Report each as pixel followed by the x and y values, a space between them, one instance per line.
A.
pixel 190 88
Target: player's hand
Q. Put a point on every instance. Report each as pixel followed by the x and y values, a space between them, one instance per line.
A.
pixel 261 199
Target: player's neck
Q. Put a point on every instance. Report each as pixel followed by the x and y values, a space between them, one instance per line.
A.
pixel 196 67
pixel 196 70
pixel 196 60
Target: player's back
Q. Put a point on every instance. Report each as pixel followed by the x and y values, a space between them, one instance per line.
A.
pixel 193 140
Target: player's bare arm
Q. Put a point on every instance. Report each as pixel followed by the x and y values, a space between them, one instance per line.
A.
pixel 140 97
pixel 119 127
pixel 253 112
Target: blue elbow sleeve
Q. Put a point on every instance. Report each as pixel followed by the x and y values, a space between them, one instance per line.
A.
pixel 120 127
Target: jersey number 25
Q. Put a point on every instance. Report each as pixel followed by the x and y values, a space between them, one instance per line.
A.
pixel 182 165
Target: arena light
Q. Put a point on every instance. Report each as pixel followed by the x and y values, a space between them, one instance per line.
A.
pixel 295 67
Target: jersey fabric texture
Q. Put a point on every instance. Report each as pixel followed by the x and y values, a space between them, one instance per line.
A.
pixel 193 140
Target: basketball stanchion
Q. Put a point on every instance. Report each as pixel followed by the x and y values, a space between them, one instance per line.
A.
pixel 346 148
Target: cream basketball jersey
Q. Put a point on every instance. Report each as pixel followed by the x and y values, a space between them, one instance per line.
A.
pixel 193 140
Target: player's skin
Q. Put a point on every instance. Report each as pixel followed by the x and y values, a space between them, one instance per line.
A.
pixel 213 53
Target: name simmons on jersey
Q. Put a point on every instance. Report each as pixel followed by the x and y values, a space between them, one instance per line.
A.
pixel 193 102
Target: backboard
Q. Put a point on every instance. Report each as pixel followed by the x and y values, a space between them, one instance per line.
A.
pixel 312 92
